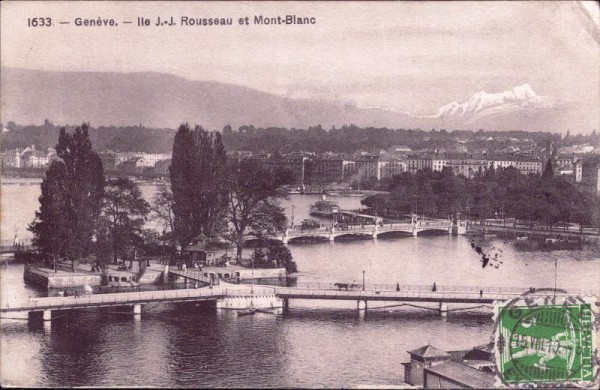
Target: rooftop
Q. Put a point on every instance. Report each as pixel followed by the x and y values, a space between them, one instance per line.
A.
pixel 467 376
pixel 429 351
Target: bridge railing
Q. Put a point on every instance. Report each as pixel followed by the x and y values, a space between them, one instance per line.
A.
pixel 429 288
pixel 395 295
pixel 42 303
pixel 257 292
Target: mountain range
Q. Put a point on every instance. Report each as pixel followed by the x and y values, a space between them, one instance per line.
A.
pixel 162 100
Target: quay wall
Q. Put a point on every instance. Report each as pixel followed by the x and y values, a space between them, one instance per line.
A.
pixel 511 232
pixel 47 279
pixel 259 301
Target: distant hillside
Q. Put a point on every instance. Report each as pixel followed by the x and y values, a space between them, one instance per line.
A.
pixel 160 100
pixel 163 100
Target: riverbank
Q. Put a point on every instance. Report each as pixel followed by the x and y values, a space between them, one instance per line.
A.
pixel 554 238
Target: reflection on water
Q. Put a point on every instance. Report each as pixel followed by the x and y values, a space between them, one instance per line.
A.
pixel 317 344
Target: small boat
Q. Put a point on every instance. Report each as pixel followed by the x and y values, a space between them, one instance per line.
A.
pixel 266 311
pixel 246 312
pixel 324 208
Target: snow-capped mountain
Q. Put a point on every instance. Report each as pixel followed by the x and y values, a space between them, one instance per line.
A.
pixel 164 101
pixel 521 97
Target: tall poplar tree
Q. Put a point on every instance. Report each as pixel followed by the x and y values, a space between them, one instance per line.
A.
pixel 198 183
pixel 71 199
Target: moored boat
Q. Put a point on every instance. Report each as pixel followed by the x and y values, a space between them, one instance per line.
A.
pixel 324 208
pixel 246 312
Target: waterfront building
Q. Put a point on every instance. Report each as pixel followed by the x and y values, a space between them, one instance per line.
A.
pixel 420 359
pixel 34 159
pixel 418 162
pixel 131 165
pixel 150 159
pixel 390 167
pixel 121 157
pixel 297 164
pixel 367 167
pixel 330 169
pixel 12 158
pixel 438 162
pixel 590 175
pixel 525 164
pixel 430 367
pixel 466 165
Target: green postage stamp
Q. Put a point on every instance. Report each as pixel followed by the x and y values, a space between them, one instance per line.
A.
pixel 546 342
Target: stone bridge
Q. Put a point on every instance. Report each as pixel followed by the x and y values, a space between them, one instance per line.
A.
pixel 373 231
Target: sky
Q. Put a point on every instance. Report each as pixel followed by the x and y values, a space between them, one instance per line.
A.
pixel 406 56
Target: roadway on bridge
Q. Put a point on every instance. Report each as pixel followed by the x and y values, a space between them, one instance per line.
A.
pixel 327 291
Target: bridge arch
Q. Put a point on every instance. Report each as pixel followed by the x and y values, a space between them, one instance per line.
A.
pixel 346 236
pixel 434 231
pixel 252 242
pixel 394 234
pixel 307 239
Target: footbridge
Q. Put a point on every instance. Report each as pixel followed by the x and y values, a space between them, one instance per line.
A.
pixel 441 295
pixel 372 231
pixel 136 299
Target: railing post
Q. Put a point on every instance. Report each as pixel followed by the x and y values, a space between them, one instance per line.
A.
pixel 443 309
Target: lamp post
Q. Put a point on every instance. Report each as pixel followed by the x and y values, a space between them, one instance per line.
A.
pixel 363 280
pixel 293 207
pixel 555 274
pixel 95 242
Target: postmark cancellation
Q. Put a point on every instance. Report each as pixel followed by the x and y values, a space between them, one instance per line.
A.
pixel 546 341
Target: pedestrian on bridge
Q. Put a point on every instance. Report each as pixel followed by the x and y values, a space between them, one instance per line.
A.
pixel 434 287
pixel 480 293
pixel 397 286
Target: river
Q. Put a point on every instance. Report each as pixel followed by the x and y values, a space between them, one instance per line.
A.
pixel 318 344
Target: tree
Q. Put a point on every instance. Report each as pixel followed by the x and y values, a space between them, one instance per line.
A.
pixel 162 210
pixel 198 183
pixel 548 171
pixel 71 199
pixel 252 203
pixel 126 211
pixel 281 256
pixel 49 231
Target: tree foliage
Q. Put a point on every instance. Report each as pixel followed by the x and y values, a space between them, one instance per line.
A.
pixel 494 193
pixel 252 203
pixel 71 199
pixel 198 183
pixel 125 211
pixel 162 210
